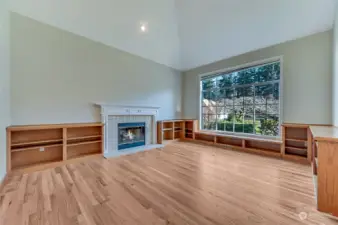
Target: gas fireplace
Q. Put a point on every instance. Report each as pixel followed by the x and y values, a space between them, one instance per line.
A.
pixel 131 135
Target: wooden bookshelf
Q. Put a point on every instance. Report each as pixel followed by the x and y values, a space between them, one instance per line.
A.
pixel 255 145
pixel 296 142
pixel 168 130
pixel 29 146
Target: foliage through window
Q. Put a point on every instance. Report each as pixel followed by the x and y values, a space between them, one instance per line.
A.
pixel 242 101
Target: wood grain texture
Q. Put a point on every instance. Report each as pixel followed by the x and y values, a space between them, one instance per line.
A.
pixel 185 183
pixel 328 177
pixel 40 144
pixel 52 126
pixel 64 146
pixel 309 145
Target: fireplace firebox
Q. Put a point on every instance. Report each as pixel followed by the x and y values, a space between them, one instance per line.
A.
pixel 131 135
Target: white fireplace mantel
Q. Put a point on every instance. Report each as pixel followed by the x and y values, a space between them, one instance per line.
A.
pixel 108 110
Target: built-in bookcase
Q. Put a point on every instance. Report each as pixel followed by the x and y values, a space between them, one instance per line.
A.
pixel 169 130
pixel 42 144
pixel 295 142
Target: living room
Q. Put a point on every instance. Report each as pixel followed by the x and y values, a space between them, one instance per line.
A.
pixel 224 111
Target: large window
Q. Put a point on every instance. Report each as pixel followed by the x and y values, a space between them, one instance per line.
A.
pixel 242 101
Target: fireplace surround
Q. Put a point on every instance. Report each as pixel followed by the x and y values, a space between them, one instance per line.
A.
pixel 119 137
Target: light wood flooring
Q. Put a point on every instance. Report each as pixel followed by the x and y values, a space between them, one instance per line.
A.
pixel 185 183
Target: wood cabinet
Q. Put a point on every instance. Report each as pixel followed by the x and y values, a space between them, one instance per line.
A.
pixel 325 167
pixel 168 130
pixel 296 145
pixel 42 144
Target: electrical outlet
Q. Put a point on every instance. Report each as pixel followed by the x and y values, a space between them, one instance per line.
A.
pixel 42 149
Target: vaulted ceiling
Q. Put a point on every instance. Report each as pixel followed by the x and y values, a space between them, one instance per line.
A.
pixel 184 34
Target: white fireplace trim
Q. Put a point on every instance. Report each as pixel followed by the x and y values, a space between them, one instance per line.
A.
pixel 127 110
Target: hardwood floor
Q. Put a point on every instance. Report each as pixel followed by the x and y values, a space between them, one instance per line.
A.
pixel 186 183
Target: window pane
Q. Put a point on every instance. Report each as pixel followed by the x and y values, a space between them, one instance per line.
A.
pixel 239 119
pixel 230 116
pixel 221 121
pixel 248 93
pixel 239 114
pixel 238 96
pixel 240 102
pixel 227 81
pixel 206 110
pixel 270 126
pixel 239 128
pixel 205 98
pixel 212 122
pixel 269 72
pixel 220 81
pixel 229 97
pixel 208 83
pixel 274 97
pixel 205 121
pixel 221 110
pixel 273 109
pixel 219 97
pixel 208 103
pixel 263 93
pixel 248 76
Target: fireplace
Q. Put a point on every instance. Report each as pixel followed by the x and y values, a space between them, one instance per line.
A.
pixel 121 123
pixel 131 135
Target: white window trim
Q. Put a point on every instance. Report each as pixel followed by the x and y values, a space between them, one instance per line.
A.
pixel 229 69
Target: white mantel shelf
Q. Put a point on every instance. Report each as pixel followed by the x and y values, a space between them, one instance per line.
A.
pixel 108 110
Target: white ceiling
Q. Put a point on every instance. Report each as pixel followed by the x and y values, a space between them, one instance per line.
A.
pixel 211 30
pixel 184 34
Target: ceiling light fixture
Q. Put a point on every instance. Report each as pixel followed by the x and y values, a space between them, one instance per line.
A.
pixel 143 27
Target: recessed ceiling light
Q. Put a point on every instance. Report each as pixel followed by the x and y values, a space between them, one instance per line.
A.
pixel 143 27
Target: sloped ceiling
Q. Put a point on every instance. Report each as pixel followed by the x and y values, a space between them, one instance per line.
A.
pixel 184 34
pixel 115 23
pixel 217 29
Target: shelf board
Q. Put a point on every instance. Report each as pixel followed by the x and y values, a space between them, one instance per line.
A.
pixel 35 142
pixel 178 130
pixel 83 143
pixel 84 137
pixel 296 148
pixel 258 151
pixel 35 148
pixel 84 155
pixel 167 129
pixel 296 140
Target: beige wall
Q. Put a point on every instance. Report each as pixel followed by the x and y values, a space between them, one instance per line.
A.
pixel 335 71
pixel 307 77
pixel 56 77
pixel 4 83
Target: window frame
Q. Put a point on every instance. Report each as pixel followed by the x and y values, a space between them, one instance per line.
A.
pixel 241 67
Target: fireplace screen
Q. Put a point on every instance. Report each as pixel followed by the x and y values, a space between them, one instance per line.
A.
pixel 131 135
